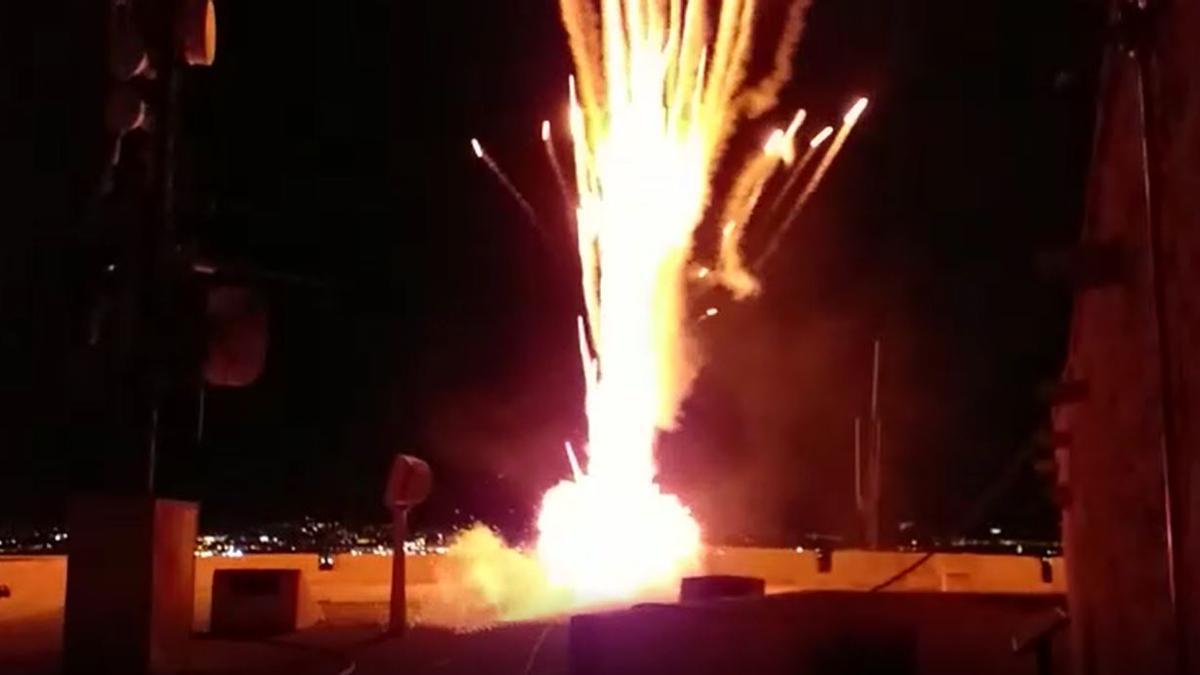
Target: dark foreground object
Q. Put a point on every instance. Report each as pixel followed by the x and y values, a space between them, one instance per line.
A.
pixel 821 633
pixel 129 585
pixel 693 589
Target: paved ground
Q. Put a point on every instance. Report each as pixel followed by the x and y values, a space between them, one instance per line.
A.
pixel 350 642
pixel 533 649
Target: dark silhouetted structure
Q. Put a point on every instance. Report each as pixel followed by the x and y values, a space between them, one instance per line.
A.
pixel 1129 444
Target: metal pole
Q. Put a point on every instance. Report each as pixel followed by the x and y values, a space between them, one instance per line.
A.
pixel 875 363
pixel 875 477
pixel 152 449
pixel 876 483
pixel 398 611
pixel 858 483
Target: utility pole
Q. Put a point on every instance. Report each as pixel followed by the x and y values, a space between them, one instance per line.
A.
pixel 130 573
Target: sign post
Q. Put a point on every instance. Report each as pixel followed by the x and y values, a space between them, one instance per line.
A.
pixel 409 483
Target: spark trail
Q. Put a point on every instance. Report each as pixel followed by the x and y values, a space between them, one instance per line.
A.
pixel 839 140
pixel 504 180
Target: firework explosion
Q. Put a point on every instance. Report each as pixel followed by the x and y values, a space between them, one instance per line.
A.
pixel 659 87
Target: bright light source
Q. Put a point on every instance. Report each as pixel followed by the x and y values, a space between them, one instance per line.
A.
pixel 477 148
pixel 796 122
pixel 821 137
pixel 774 144
pixel 711 311
pixel 855 111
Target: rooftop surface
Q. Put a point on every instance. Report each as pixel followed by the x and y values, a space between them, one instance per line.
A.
pixel 449 639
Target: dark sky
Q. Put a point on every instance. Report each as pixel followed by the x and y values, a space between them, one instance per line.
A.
pixel 331 144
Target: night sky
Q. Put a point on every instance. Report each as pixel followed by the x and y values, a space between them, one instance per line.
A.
pixel 331 144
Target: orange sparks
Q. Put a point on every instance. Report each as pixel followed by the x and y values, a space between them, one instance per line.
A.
pixel 657 92
pixel 652 106
pixel 814 181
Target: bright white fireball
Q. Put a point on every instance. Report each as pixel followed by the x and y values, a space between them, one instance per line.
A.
pixel 610 542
